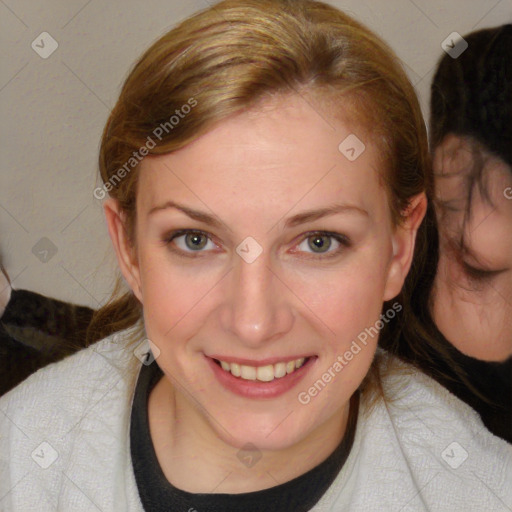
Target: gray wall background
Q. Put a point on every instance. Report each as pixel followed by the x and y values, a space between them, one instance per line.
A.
pixel 53 237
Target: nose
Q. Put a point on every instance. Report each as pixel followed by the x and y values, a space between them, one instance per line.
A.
pixel 257 308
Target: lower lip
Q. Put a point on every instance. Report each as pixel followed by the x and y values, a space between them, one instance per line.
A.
pixel 256 388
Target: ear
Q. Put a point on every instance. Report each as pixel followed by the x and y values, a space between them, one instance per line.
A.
pixel 125 251
pixel 403 241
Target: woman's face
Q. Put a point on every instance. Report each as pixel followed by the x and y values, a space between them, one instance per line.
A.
pixel 261 247
pixel 473 288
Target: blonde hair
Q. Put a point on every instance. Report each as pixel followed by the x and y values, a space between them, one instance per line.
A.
pixel 231 56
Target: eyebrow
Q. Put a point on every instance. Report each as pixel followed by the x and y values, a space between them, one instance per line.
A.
pixel 295 220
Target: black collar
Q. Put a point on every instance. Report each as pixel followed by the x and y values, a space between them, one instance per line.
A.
pixel 157 494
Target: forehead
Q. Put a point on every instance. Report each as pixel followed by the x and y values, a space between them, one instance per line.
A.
pixel 269 160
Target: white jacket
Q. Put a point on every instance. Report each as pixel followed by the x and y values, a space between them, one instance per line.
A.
pixel 64 444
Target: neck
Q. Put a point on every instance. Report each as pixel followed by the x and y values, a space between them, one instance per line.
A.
pixel 194 458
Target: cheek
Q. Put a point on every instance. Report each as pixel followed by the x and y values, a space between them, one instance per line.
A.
pixel 169 294
pixel 491 241
pixel 346 300
pixel 181 299
pixel 473 317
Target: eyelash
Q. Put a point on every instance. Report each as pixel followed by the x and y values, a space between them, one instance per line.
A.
pixel 341 239
pixel 478 274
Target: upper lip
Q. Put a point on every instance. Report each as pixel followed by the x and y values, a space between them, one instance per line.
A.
pixel 261 362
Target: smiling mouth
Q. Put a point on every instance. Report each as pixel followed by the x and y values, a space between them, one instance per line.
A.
pixel 266 373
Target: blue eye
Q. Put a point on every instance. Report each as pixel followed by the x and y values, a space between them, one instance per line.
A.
pixel 317 244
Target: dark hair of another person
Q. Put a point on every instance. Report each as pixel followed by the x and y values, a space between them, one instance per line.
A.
pixel 471 97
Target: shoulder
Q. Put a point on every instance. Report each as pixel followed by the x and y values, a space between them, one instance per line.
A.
pixel 69 422
pixel 74 379
pixel 436 442
pixel 410 395
pixel 418 447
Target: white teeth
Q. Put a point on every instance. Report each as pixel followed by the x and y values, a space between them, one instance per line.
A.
pixel 263 373
pixel 279 370
pixel 248 372
pixel 235 369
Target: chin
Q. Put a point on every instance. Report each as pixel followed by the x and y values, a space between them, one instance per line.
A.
pixel 266 434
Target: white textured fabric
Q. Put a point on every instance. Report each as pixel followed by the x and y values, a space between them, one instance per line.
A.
pixel 425 450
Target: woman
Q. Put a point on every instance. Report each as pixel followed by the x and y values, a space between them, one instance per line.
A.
pixel 471 140
pixel 268 174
